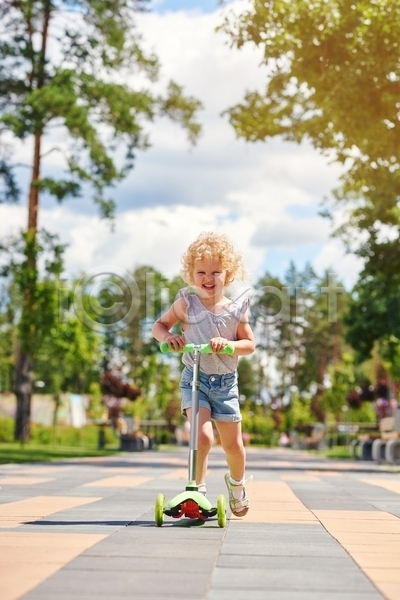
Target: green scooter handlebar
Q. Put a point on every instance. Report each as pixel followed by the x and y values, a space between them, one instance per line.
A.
pixel 204 348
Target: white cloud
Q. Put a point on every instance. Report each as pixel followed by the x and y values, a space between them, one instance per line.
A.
pixel 287 233
pixel 332 258
pixel 265 196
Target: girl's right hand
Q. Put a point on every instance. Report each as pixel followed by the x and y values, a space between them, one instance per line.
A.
pixel 175 342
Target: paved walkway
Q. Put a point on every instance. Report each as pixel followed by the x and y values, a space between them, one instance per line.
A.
pixel 84 529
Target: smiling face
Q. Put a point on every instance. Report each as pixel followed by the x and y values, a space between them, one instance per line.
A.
pixel 209 278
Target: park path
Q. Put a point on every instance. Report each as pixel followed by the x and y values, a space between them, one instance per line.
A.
pixel 317 529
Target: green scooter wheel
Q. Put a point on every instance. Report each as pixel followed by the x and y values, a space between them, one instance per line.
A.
pixel 221 510
pixel 159 510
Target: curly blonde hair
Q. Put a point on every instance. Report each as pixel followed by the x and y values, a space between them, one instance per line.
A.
pixel 210 245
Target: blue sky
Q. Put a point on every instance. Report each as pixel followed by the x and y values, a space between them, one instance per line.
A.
pixel 204 6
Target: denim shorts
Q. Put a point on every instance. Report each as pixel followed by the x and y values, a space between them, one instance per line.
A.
pixel 218 393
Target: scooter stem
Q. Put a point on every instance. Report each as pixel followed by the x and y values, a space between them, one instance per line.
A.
pixel 194 417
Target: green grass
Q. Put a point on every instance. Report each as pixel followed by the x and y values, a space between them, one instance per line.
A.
pixel 30 452
pixel 338 452
pixel 13 452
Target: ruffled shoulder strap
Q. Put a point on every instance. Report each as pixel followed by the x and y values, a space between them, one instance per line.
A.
pixel 187 293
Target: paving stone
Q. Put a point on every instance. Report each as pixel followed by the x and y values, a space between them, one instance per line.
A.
pixel 290 579
pixel 264 556
pixel 220 594
pixel 131 584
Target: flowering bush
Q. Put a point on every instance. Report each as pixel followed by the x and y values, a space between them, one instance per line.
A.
pixel 112 385
pixel 115 394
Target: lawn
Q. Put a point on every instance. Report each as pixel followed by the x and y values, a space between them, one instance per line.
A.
pixel 30 452
pixel 338 452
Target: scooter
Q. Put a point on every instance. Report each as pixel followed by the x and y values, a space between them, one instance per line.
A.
pixel 191 503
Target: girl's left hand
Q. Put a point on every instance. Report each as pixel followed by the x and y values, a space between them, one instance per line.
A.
pixel 217 344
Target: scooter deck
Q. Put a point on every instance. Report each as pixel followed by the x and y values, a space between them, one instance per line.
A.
pixel 191 504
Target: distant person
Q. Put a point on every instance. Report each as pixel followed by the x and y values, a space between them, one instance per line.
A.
pixel 284 440
pixel 206 315
pixel 382 405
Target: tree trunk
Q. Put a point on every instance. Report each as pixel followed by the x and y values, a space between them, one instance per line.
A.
pixel 24 365
pixel 33 205
pixel 23 391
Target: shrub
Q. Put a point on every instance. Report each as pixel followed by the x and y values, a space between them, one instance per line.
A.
pixel 260 427
pixel 41 434
pixel 62 435
pixel 6 429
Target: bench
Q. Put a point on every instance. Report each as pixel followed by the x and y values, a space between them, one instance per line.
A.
pixel 361 447
pixel 316 439
pixel 386 448
pixel 382 445
pixel 133 442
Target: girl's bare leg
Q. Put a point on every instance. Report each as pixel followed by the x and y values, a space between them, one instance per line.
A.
pixel 205 442
pixel 232 443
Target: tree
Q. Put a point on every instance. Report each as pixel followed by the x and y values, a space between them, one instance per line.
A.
pixel 67 69
pixel 153 288
pixel 8 333
pixel 247 380
pixel 334 79
pixel 373 315
pixel 32 328
pixel 69 359
pixel 299 323
pixel 342 381
pixel 69 64
pixel 299 326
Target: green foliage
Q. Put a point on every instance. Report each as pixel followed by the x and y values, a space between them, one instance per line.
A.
pixel 299 323
pixel 6 429
pixel 64 435
pixel 374 311
pixel 96 408
pixel 83 87
pixel 67 354
pixel 299 413
pixel 24 287
pixel 333 78
pixel 260 427
pixel 9 190
pixel 77 350
pixel 8 332
pixel 155 292
pixel 41 434
pixel 342 380
pixel 364 414
pixel 87 436
pixel 137 409
pixel 247 379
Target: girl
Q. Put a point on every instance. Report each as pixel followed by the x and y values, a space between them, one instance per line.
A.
pixel 206 315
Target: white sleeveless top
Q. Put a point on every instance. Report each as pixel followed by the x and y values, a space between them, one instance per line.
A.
pixel 203 325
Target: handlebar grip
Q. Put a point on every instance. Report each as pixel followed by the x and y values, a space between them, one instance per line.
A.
pixel 204 348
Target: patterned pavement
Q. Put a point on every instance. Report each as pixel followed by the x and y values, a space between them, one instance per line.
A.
pixel 317 529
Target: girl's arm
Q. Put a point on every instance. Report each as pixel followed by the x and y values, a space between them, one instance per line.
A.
pixel 161 328
pixel 245 343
